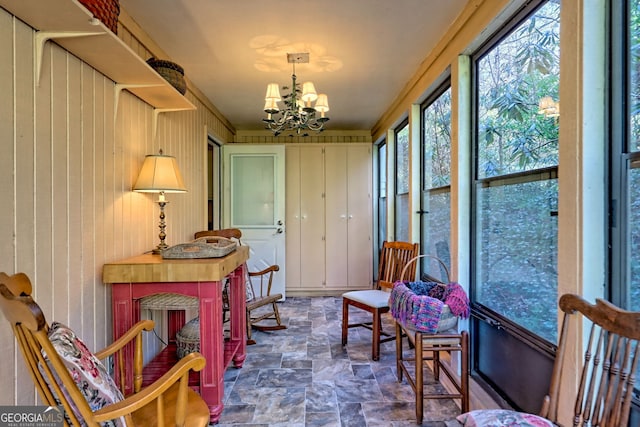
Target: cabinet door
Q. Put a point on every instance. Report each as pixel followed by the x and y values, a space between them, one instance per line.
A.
pixel 305 217
pixel 349 220
pixel 292 230
pixel 336 216
pixel 312 244
pixel 359 217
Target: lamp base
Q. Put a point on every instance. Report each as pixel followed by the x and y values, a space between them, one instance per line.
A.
pixel 162 245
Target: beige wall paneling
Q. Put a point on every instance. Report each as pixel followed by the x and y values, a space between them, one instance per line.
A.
pixel 86 265
pixel 59 187
pixel 8 157
pixel 74 147
pixel 24 171
pixel 69 163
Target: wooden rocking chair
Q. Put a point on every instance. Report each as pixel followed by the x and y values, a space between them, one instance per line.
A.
pixel 168 401
pixel 603 395
pixel 258 287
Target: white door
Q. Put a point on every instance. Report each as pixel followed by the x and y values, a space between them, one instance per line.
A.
pixel 254 194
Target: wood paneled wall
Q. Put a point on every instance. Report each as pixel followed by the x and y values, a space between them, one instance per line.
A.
pixel 69 158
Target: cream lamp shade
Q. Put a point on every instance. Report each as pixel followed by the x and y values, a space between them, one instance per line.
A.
pixel 160 173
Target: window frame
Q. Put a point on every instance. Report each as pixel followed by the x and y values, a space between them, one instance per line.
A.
pixel 398 196
pixel 480 311
pixel 425 192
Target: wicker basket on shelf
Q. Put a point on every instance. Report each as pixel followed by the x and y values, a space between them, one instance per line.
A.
pixel 107 11
pixel 172 72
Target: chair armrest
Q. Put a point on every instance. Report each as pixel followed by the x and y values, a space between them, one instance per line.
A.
pixel 134 332
pixel 179 372
pixel 116 349
pixel 265 271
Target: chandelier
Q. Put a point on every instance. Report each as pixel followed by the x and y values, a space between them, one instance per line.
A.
pixel 300 113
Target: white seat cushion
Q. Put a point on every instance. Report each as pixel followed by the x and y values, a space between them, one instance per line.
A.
pixel 373 298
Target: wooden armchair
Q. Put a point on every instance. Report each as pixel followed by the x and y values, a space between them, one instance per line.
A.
pixel 51 353
pixel 603 390
pixel 258 287
pixel 394 256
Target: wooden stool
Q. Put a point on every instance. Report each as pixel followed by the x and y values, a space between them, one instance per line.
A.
pixel 448 341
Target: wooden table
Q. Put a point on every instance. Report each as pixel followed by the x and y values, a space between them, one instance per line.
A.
pixel 140 276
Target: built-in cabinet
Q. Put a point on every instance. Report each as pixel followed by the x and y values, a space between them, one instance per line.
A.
pixel 329 218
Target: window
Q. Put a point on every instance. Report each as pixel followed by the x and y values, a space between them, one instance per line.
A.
pixel 516 194
pixel 625 155
pixel 436 179
pixel 382 194
pixel 381 191
pixel 625 159
pixel 402 182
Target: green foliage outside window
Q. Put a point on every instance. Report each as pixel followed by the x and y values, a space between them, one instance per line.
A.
pixel 513 77
pixel 516 188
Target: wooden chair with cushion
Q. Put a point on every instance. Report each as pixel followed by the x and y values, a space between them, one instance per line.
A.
pixel 605 379
pixel 66 373
pixel 394 256
pixel 259 294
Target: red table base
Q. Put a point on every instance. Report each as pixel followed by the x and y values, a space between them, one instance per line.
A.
pixel 218 352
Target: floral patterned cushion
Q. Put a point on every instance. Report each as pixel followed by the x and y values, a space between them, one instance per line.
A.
pixel 89 374
pixel 502 418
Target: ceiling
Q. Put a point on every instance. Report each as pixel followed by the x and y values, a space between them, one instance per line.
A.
pixel 362 52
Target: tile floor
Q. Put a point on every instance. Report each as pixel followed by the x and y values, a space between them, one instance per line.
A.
pixel 303 377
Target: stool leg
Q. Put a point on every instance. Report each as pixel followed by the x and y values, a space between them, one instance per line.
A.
pixel 419 379
pixel 464 372
pixel 375 332
pixel 398 352
pixel 345 321
pixel 436 364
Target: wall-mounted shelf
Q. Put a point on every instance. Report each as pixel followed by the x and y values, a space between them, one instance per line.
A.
pixel 74 28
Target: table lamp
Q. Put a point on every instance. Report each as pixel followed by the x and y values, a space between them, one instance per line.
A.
pixel 160 174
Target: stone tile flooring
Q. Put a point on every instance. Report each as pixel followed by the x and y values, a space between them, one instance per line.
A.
pixel 303 377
